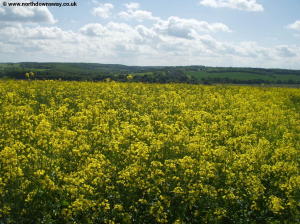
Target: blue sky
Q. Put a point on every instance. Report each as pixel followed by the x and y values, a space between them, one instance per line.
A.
pixel 251 33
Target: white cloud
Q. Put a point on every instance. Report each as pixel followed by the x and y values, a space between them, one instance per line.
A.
pixel 295 25
pixel 26 14
pixel 174 26
pixel 20 34
pixel 139 15
pixel 251 49
pixel 132 6
pixel 187 28
pixel 133 12
pixel 285 51
pixel 93 29
pixel 2 11
pixel 103 10
pixel 174 41
pixel 47 33
pixel 7 48
pixel 246 5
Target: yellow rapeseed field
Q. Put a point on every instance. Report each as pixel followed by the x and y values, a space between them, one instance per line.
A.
pixel 83 152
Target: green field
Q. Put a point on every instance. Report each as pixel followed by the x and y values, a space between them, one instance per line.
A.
pixel 245 76
pixel 160 74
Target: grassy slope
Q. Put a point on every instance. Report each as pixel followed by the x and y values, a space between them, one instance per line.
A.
pixel 244 76
pixel 198 72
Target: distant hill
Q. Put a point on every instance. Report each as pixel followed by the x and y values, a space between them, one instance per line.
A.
pixel 159 74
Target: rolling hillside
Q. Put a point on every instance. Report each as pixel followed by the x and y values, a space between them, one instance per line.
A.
pixel 152 74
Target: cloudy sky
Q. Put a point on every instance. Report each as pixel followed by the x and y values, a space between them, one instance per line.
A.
pixel 252 33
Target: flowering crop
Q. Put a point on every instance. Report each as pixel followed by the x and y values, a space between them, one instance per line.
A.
pixel 82 152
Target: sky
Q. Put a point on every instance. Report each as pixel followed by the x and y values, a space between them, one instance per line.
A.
pixel 231 33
